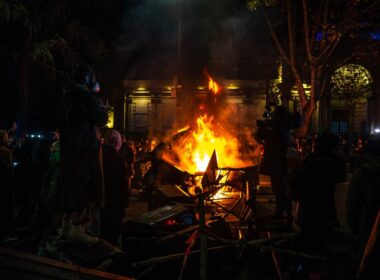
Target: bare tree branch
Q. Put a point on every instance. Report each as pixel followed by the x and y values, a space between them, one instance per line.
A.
pixel 324 25
pixel 324 83
pixel 290 20
pixel 306 30
pixel 313 81
pixel 275 38
pixel 346 25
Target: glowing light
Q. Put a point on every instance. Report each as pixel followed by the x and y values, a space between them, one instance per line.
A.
pixel 232 86
pixel 220 194
pixel 275 84
pixel 196 151
pixel 141 90
pixel 110 120
pixel 307 88
pixel 213 86
pixel 351 81
pixel 375 35
pixel 141 101
pixel 183 129
pixel 34 135
pixel 376 130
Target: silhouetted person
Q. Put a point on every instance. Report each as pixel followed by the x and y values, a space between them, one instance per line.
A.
pixel 82 116
pixel 40 156
pixel 318 178
pixel 276 139
pixel 51 187
pixel 6 197
pixel 116 187
pixel 127 152
pixel 363 202
pixel 317 216
pixel 13 141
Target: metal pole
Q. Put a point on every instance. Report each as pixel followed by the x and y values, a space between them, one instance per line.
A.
pixel 178 74
pixel 179 32
pixel 203 238
pixel 275 262
pixel 369 246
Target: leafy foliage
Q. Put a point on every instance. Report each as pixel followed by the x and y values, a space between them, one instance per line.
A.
pixel 255 4
pixel 41 41
pixel 351 82
pixel 43 51
pixel 5 11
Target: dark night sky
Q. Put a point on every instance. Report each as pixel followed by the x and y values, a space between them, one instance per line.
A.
pixel 216 35
pixel 140 42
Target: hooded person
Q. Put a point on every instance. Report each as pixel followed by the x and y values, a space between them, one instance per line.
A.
pixel 116 194
pixel 80 163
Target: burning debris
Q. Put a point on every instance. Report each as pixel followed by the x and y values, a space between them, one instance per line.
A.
pixel 191 149
pixel 184 159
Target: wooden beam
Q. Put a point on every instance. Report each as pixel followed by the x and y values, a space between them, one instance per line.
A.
pixel 20 265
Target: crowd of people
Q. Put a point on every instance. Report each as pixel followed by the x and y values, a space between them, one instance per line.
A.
pixel 76 178
pixel 31 172
pixel 79 176
pixel 304 175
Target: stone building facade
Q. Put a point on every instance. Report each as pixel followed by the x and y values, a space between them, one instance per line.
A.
pixel 159 106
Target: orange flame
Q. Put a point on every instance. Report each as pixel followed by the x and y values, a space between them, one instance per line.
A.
pixel 206 138
pixel 213 86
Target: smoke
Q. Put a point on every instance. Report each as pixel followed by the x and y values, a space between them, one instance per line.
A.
pixel 148 40
pixel 226 50
pixel 213 34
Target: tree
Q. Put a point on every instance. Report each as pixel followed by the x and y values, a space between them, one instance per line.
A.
pixel 313 39
pixel 352 85
pixel 43 36
pixel 15 19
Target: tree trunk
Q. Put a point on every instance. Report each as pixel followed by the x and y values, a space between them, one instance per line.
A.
pixel 307 115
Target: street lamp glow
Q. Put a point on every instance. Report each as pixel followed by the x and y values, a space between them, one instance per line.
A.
pixel 376 130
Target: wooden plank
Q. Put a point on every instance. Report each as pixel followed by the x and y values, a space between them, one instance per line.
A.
pixel 20 265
